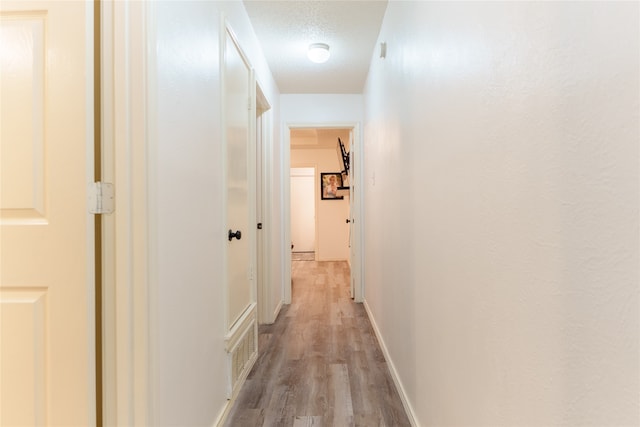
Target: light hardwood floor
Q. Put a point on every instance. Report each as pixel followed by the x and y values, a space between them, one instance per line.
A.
pixel 319 364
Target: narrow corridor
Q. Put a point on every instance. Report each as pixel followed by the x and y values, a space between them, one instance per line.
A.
pixel 320 363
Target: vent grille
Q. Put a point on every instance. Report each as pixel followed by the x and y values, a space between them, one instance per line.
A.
pixel 241 344
pixel 242 356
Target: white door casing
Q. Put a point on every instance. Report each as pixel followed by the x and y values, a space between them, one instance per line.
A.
pixel 47 356
pixel 125 157
pixel 263 144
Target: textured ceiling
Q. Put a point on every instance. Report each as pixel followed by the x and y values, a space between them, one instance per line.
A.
pixel 286 28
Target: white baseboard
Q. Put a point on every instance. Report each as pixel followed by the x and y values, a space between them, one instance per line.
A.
pixel 392 368
pixel 276 312
pixel 224 412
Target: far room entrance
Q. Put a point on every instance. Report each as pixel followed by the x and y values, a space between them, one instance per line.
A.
pixel 321 198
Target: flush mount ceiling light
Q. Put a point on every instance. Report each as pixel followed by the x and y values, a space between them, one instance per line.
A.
pixel 318 52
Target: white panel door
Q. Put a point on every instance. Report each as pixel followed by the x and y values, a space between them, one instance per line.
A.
pixel 47 362
pixel 237 79
pixel 303 210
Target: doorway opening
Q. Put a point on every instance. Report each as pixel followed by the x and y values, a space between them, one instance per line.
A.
pixel 337 235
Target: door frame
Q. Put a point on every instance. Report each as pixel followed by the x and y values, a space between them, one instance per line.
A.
pixel 263 140
pixel 127 34
pixel 285 243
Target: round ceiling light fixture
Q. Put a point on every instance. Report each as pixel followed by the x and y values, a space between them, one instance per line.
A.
pixel 318 52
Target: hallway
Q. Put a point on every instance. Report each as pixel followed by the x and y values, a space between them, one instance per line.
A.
pixel 320 363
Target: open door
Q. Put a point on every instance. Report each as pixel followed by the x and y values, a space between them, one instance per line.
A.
pixel 47 356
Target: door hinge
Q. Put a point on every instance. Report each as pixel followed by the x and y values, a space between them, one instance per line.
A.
pixel 101 198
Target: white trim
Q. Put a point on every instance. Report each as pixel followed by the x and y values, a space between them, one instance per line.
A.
pixel 261 238
pixel 223 414
pixel 222 52
pixel 270 238
pixel 125 233
pixel 144 164
pixel 263 269
pixel 392 369
pixel 276 312
pixel 251 186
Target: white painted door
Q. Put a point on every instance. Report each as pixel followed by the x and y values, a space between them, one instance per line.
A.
pixel 303 211
pixel 237 80
pixel 262 283
pixel 260 181
pixel 47 362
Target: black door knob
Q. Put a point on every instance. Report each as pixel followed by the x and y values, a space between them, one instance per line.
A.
pixel 237 235
pixel 348 221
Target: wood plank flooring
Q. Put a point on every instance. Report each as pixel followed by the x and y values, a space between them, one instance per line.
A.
pixel 320 363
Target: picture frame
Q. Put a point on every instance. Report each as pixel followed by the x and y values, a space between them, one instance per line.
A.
pixel 329 183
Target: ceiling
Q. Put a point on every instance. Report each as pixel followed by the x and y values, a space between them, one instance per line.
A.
pixel 286 28
pixel 316 138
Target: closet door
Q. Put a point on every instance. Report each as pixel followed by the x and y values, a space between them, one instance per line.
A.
pixel 237 100
pixel 47 362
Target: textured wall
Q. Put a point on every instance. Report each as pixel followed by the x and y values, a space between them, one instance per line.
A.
pixel 501 200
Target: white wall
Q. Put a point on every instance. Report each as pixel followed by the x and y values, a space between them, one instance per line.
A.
pixel 316 109
pixel 188 376
pixel 333 231
pixel 501 174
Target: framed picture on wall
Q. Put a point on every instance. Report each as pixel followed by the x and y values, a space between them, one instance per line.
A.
pixel 329 183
